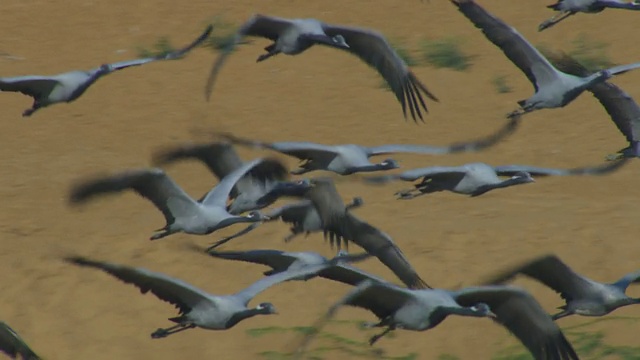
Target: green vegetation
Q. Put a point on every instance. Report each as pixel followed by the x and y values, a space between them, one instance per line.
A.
pixel 333 344
pixel 162 46
pixel 500 84
pixel 445 53
pixel 222 36
pixel 405 55
pixel 591 54
pixel 403 51
pixel 589 344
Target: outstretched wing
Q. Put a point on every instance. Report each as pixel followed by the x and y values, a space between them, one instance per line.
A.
pixel 172 55
pixel 523 316
pixel 177 292
pixel 519 51
pixel 415 174
pixel 623 110
pixel 259 25
pixel 152 184
pixel 603 169
pixel 35 86
pixel 276 259
pixel 219 194
pixel 13 345
pixel 550 271
pixel 339 224
pixel 372 48
pixel 469 146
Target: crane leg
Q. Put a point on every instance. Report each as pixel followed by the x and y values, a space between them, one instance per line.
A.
pixel 379 336
pixel 160 333
pixel 554 20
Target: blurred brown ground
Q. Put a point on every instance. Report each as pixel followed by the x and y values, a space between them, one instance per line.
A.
pixel 323 96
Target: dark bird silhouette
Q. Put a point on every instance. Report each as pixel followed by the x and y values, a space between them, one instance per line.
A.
pixel 301 215
pixel 294 36
pixel 12 344
pixel 582 295
pixel 69 86
pixel 198 308
pixel 553 88
pixel 280 261
pixel 347 159
pixel 341 225
pixel 566 8
pixel 420 310
pixel 623 110
pixel 181 212
pixel 257 189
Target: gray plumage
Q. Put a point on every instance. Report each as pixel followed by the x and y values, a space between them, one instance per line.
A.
pixel 512 170
pixel 294 36
pixel 280 261
pixel 257 189
pixel 472 179
pixel 13 345
pixel 69 86
pixel 182 213
pixel 475 179
pixel 198 308
pixel 340 225
pixel 301 215
pixel 582 295
pixel 567 8
pixel 553 88
pixel 348 159
pixel 420 310
pixel 623 110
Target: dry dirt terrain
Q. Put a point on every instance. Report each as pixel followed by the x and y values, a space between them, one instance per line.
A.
pixel 324 96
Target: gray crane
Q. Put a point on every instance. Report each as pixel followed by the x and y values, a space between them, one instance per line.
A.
pixel 623 110
pixel 257 189
pixel 198 308
pixel 340 225
pixel 280 261
pixel 567 8
pixel 181 212
pixel 302 216
pixel 13 345
pixel 294 36
pixel 420 310
pixel 553 88
pixel 348 159
pixel 582 295
pixel 69 86
pixel 475 179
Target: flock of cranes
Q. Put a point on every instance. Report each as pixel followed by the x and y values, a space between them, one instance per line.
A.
pixel 246 188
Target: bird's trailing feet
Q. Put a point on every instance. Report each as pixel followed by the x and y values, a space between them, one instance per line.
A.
pixel 629 152
pixel 516 114
pixel 161 333
pixel 406 194
pixel 377 337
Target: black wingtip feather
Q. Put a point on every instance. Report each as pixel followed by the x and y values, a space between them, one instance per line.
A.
pixel 419 95
pixel 414 102
pixel 407 95
pixel 416 82
pixel 80 261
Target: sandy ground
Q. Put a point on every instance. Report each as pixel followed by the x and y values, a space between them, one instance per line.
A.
pixel 321 96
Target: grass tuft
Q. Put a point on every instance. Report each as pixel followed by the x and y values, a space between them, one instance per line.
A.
pixel 445 53
pixel 161 47
pixel 500 84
